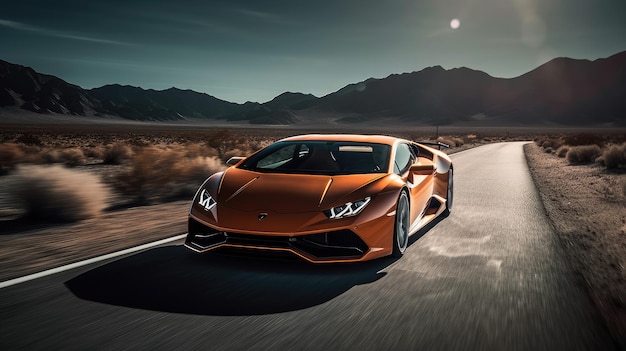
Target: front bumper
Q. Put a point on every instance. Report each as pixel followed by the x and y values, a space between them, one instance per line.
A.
pixel 338 245
pixel 341 245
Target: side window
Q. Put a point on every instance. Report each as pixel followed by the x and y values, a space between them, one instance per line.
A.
pixel 403 160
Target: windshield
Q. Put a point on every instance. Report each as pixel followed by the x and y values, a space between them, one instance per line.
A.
pixel 320 157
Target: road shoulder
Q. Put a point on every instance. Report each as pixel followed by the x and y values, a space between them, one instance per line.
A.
pixel 589 216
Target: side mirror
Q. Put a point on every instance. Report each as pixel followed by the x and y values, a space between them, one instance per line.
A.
pixel 422 168
pixel 234 160
pixel 419 171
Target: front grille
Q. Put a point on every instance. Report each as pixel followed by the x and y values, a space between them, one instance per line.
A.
pixel 341 244
pixel 337 244
pixel 257 240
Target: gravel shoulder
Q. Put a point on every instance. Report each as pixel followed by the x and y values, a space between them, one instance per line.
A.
pixel 36 247
pixel 587 207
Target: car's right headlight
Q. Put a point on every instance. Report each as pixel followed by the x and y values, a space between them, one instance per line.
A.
pixel 348 209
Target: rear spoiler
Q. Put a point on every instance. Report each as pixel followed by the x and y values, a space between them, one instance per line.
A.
pixel 438 144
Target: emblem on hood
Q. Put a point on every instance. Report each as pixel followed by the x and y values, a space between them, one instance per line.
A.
pixel 262 216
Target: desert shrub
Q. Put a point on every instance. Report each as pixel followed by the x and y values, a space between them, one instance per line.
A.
pixel 193 173
pixel 93 152
pixel 583 154
pixel 470 138
pixel 193 150
pixel 115 154
pixel 150 169
pixel 614 156
pixel 551 142
pixel 73 157
pixel 562 151
pixel 156 174
pixel 54 193
pixel 548 150
pixel 51 156
pixel 10 155
pixel 224 140
pixel 584 139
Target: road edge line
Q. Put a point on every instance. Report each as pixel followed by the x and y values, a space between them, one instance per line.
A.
pixel 88 261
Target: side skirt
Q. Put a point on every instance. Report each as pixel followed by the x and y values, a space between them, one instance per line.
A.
pixel 436 207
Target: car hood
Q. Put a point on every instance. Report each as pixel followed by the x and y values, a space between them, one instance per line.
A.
pixel 288 193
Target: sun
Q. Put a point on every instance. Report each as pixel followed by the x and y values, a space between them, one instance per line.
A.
pixel 455 23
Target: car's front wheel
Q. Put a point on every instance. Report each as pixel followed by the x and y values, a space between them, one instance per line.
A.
pixel 401 228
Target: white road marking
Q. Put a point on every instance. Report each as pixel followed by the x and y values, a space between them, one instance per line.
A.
pixel 48 272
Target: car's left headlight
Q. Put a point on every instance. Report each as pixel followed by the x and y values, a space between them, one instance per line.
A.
pixel 348 209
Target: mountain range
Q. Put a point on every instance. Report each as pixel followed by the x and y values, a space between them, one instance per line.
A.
pixel 561 92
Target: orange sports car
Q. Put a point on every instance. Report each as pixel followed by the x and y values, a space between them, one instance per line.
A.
pixel 324 198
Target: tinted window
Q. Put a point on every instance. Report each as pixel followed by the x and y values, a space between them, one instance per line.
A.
pixel 320 157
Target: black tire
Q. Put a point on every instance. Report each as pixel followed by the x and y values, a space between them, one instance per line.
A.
pixel 401 227
pixel 449 192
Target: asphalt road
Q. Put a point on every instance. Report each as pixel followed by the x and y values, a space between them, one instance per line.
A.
pixel 491 276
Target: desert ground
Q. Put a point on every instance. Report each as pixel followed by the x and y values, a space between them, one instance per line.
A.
pixel 71 192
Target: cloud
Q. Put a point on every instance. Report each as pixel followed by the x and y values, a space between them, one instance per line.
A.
pixel 57 34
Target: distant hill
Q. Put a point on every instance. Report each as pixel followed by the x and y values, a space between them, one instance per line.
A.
pixel 171 104
pixel 22 86
pixel 564 92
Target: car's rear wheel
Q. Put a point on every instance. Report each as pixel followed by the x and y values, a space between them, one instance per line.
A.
pixel 450 192
pixel 401 228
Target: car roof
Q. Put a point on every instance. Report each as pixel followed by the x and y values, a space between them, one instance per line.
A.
pixel 379 139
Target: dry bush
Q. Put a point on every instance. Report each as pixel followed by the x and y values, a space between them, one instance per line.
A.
pixel 224 140
pixel 584 139
pixel 54 193
pixel 583 154
pixel 32 154
pixel 194 172
pixel 157 174
pixel 193 150
pixel 562 151
pixel 469 139
pixel 93 152
pixel 614 156
pixel 550 142
pixel 10 155
pixel 73 157
pixel 51 156
pixel 115 154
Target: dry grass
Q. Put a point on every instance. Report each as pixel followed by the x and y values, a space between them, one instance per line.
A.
pixel 57 194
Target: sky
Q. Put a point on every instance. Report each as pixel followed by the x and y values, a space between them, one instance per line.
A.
pixel 254 50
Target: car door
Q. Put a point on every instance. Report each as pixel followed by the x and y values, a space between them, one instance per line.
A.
pixel 418 174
